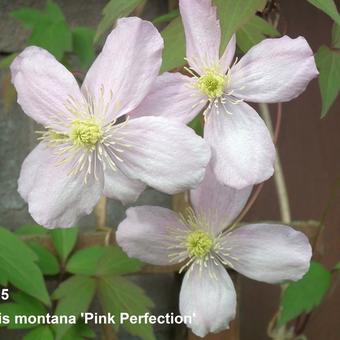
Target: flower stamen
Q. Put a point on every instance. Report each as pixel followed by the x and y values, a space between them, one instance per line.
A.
pixel 199 243
pixel 86 132
pixel 212 83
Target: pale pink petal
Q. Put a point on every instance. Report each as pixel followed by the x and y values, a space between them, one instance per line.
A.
pixel 146 234
pixel 217 203
pixel 243 153
pixel 120 187
pixel 268 252
pixel 44 87
pixel 202 32
pixel 29 170
pixel 172 96
pixel 275 70
pixel 208 295
pixel 163 153
pixel 55 198
pixel 228 54
pixel 126 68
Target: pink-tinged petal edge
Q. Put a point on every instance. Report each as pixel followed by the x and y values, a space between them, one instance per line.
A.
pixel 55 198
pixel 209 296
pixel 243 153
pixel 202 32
pixel 270 253
pixel 219 204
pixel 120 187
pixel 172 96
pixel 164 154
pixel 128 65
pixel 44 87
pixel 144 234
pixel 228 55
pixel 275 70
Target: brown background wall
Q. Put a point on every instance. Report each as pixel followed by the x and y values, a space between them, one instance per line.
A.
pixel 309 150
pixel 310 153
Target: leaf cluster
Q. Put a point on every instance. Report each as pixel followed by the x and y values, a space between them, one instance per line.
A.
pixel 83 275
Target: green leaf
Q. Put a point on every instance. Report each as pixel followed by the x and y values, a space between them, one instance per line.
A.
pixel 55 37
pixel 54 12
pixel 3 278
pixel 336 36
pixel 118 295
pixel 174 45
pixel 49 28
pixel 30 18
pixel 7 61
pixel 166 17
pixel 253 32
pixel 17 260
pixel 29 302
pixel 233 14
pixel 115 261
pixel 29 229
pixel 102 260
pixel 40 333
pixel 302 296
pixel 64 241
pixel 197 125
pixel 328 63
pixel 47 262
pixel 112 11
pixel 23 305
pixel 13 309
pixel 337 266
pixel 79 332
pixel 329 7
pixel 83 45
pixel 85 261
pixel 75 296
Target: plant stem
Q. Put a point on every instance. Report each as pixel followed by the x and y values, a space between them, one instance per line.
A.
pixel 100 212
pixel 278 174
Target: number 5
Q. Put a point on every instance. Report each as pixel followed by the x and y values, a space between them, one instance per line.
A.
pixel 4 294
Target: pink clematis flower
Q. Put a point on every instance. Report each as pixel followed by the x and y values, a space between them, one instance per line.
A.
pixel 85 151
pixel 275 70
pixel 265 252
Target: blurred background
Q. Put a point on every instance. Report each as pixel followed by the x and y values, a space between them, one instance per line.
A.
pixel 309 148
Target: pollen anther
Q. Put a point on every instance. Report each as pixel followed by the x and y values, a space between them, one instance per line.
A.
pixel 212 83
pixel 199 243
pixel 87 132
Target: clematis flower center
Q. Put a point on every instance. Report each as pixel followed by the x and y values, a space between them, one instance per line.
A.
pixel 199 243
pixel 212 83
pixel 87 132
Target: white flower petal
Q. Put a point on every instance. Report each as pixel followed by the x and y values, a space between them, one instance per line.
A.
pixel 218 203
pixel 268 252
pixel 55 198
pixel 228 54
pixel 172 96
pixel 44 87
pixel 275 70
pixel 146 234
pixel 202 32
pixel 209 296
pixel 120 187
pixel 243 153
pixel 163 153
pixel 127 66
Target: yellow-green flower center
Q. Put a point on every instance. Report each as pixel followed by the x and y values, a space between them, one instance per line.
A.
pixel 87 132
pixel 199 243
pixel 212 83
